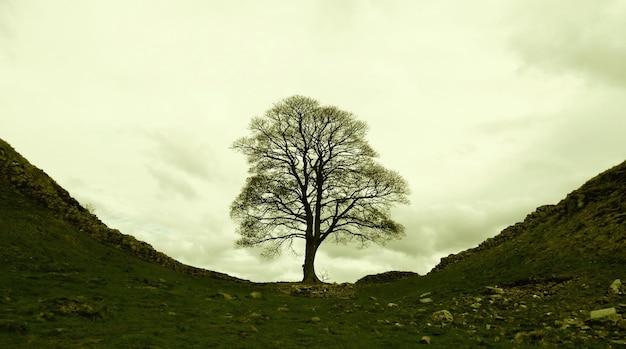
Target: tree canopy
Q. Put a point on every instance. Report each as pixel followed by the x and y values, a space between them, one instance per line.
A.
pixel 313 176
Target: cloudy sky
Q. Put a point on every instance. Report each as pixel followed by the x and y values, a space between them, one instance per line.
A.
pixel 488 108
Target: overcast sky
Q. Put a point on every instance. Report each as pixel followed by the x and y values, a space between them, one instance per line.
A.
pixel 488 108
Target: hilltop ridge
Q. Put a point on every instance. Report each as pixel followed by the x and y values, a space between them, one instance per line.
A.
pixel 35 184
pixel 588 223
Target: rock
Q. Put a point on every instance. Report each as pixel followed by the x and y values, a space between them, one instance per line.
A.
pixel 424 295
pixel 442 316
pixel 392 305
pixel 602 315
pixel 374 298
pixel 616 287
pixel 224 295
pixel 426 300
pixel 316 319
pixel 256 295
pixel 425 340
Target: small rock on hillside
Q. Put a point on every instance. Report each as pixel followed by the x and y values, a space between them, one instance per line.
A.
pixel 389 276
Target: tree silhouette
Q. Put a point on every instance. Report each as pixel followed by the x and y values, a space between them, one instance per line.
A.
pixel 313 177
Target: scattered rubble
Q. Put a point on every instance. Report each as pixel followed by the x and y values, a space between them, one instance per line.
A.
pixel 341 291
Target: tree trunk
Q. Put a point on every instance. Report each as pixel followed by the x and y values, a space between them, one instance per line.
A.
pixel 313 238
pixel 308 267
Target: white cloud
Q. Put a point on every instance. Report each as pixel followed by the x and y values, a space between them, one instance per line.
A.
pixel 585 39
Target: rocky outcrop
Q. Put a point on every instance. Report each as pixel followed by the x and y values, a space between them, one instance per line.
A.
pixel 531 221
pixel 35 184
pixel 389 276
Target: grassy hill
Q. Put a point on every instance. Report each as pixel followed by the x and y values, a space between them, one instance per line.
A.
pixel 584 234
pixel 68 281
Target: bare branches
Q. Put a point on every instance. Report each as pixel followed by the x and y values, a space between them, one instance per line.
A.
pixel 313 175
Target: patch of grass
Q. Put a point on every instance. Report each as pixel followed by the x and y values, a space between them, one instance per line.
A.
pixel 61 287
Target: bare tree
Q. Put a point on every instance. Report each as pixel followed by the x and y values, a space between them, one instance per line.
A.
pixel 313 177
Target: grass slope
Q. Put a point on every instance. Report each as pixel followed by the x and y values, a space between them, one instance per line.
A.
pixel 66 281
pixel 62 288
pixel 584 234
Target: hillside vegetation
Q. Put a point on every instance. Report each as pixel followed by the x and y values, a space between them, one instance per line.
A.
pixel 68 281
pixel 582 234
